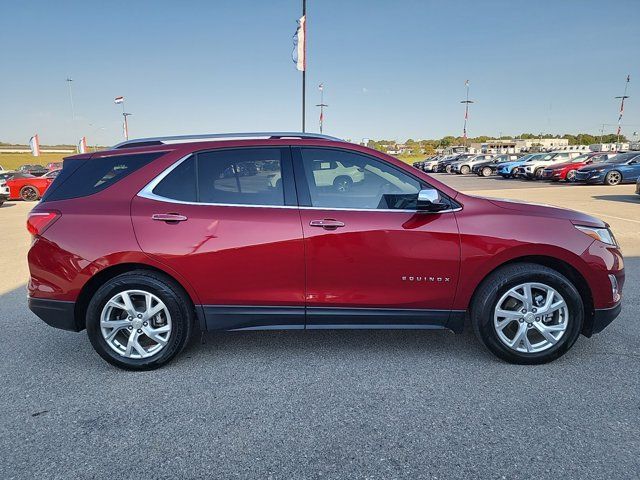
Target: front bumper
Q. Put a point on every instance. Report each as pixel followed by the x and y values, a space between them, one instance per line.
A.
pixel 56 313
pixel 601 318
pixel 590 177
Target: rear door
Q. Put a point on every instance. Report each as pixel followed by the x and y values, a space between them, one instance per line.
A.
pixel 371 259
pixel 227 221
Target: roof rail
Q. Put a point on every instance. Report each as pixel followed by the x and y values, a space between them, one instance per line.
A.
pixel 142 142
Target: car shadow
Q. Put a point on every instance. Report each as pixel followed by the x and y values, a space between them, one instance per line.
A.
pixel 8 204
pixel 618 198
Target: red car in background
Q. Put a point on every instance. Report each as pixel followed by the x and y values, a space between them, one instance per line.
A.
pixel 567 171
pixel 27 187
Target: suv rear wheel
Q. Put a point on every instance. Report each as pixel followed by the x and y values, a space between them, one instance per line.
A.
pixel 486 171
pixel 527 313
pixel 464 169
pixel 139 320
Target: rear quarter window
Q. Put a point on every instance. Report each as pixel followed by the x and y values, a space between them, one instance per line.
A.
pixel 80 178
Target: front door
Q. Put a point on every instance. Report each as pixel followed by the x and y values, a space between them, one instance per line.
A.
pixel 228 222
pixel 371 259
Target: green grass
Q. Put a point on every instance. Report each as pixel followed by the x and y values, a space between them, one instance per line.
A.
pixel 11 161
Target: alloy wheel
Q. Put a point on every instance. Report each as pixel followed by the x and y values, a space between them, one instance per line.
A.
pixel 29 194
pixel 571 176
pixel 613 178
pixel 531 317
pixel 486 171
pixel 135 324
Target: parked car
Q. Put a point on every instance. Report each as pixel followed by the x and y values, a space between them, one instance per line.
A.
pixel 27 187
pixel 567 171
pixel 432 164
pixel 4 191
pixel 638 186
pixel 444 165
pixel 533 169
pixel 622 168
pixel 33 169
pixel 145 242
pixel 507 169
pixel 54 166
pixel 489 167
pixel 464 166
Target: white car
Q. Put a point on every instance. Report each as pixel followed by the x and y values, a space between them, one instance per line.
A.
pixel 533 170
pixel 330 174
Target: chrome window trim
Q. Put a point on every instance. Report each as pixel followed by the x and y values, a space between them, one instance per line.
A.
pixel 147 192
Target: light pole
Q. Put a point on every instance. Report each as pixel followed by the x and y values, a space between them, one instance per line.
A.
pixel 622 98
pixel 69 81
pixel 321 105
pixel 466 102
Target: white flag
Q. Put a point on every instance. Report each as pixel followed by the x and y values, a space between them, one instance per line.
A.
pixel 119 100
pixel 34 143
pixel 299 45
pixel 82 145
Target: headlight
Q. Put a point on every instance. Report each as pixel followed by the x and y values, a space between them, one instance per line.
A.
pixel 602 234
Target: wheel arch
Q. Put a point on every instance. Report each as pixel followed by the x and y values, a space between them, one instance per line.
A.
pixel 106 274
pixel 562 267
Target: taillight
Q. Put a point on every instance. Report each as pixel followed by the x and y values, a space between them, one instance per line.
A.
pixel 38 222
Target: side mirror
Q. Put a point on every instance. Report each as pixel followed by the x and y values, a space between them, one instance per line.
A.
pixel 429 200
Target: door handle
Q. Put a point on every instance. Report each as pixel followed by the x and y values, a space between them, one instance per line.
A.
pixel 168 217
pixel 327 223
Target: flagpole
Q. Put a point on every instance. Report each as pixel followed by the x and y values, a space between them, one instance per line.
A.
pixel 466 113
pixel 622 98
pixel 304 71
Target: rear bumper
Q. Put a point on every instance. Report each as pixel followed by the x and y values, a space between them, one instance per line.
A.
pixel 601 318
pixel 56 313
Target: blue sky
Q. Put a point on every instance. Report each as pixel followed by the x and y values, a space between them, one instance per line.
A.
pixel 393 69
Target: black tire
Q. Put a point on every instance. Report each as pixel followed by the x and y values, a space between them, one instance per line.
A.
pixel 537 175
pixel 486 171
pixel 342 183
pixel 465 169
pixel 570 177
pixel 29 193
pixel 614 177
pixel 448 168
pixel 499 282
pixel 176 300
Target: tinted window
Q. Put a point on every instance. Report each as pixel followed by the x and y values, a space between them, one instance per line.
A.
pixel 342 179
pixel 241 176
pixel 180 183
pixel 80 178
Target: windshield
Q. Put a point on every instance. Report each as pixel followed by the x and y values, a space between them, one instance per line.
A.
pixel 539 156
pixel 622 157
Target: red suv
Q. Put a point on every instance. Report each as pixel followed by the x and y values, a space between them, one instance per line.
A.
pixel 145 242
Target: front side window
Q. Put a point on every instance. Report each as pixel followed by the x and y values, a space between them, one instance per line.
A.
pixel 343 179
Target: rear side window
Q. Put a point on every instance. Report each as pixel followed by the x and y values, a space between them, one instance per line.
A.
pixel 80 178
pixel 180 183
pixel 249 176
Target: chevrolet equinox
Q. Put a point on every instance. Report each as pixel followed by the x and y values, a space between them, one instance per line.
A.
pixel 144 243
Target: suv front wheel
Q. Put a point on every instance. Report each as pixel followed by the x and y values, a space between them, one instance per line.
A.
pixel 139 320
pixel 527 313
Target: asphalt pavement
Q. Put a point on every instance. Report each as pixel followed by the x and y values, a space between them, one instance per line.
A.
pixel 324 404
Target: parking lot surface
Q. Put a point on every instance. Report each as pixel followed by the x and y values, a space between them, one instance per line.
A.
pixel 326 404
